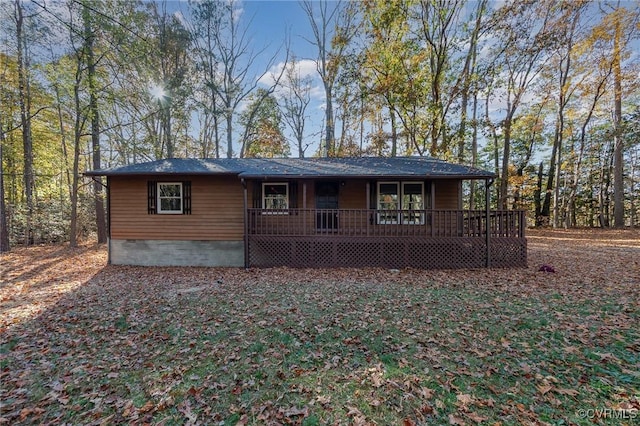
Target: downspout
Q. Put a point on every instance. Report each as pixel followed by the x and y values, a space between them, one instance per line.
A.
pixel 487 202
pixel 246 224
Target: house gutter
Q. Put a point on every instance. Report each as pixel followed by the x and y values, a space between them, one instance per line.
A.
pixel 487 202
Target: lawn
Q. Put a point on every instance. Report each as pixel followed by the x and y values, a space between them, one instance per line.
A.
pixel 86 343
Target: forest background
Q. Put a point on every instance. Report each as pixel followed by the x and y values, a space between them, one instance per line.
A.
pixel 543 93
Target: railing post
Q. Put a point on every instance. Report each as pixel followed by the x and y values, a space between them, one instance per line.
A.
pixel 487 202
pixel 368 196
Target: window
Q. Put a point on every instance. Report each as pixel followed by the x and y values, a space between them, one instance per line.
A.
pixel 401 202
pixel 169 197
pixel 388 202
pixel 412 200
pixel 275 196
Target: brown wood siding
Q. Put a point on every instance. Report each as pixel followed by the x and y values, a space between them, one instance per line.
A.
pixel 216 210
pixel 447 195
pixel 353 195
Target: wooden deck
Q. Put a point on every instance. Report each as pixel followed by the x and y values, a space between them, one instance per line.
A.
pixel 433 239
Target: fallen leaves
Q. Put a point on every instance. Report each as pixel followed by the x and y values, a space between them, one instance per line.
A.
pixel 86 343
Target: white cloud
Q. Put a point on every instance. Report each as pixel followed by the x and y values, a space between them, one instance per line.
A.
pixel 237 14
pixel 306 68
pixel 180 17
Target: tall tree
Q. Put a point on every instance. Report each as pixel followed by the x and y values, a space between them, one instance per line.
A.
pixel 24 89
pixel 94 112
pixel 468 88
pixel 4 230
pixel 618 143
pixel 207 22
pixel 387 57
pixel 172 42
pixel 333 28
pixel 438 23
pixel 294 102
pixel 524 31
pixel 563 61
pixel 262 121
pixel 234 59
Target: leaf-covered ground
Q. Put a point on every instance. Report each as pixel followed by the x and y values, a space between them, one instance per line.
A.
pixel 86 343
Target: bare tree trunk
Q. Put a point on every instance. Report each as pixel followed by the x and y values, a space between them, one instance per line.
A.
pixel 537 197
pixel 467 71
pixel 331 48
pixel 603 197
pixel 101 222
pixel 474 149
pixel 394 133
pixel 506 153
pixel 329 123
pixel 583 135
pixel 229 135
pixel 545 212
pixel 4 231
pixel 77 136
pixel 25 119
pixel 618 165
pixel 632 200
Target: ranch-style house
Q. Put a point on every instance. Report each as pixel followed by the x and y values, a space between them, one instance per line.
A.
pixel 314 212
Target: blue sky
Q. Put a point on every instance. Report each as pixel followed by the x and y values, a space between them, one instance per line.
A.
pixel 269 24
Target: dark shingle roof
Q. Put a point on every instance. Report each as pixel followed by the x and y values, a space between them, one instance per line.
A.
pixel 301 168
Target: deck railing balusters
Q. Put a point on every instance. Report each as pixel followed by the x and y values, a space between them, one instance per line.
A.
pixel 370 222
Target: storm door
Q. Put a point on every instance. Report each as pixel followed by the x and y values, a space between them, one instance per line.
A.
pixel 327 206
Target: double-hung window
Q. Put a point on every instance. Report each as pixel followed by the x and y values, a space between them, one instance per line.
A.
pixel 169 197
pixel 275 197
pixel 401 203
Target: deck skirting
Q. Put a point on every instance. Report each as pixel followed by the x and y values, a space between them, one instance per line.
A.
pixel 396 252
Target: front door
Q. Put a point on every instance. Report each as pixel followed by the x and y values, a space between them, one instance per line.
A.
pixel 327 205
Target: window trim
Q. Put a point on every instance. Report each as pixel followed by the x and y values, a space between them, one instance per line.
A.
pixel 266 210
pixel 159 198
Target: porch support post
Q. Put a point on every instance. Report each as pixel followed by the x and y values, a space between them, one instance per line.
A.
pixel 368 204
pixel 304 194
pixel 246 223
pixel 487 204
pixel 304 207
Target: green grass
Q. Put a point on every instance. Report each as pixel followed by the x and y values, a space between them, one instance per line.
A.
pixel 323 352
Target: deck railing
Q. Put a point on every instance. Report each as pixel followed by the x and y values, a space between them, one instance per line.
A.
pixel 383 223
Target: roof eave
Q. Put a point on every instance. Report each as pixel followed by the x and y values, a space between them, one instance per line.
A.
pixel 154 173
pixel 379 176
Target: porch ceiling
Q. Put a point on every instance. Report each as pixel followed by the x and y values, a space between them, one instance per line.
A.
pixel 263 168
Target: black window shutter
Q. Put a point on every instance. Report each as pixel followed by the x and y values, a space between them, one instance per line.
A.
pixel 293 195
pixel 186 197
pixel 257 194
pixel 152 187
pixel 373 195
pixel 427 195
